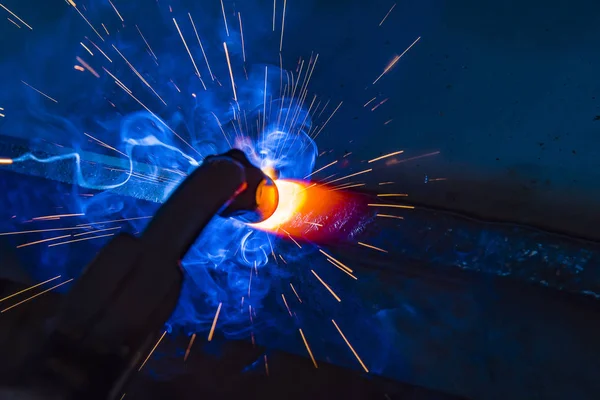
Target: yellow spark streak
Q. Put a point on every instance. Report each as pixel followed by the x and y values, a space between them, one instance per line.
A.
pixel 79 68
pixel 189 348
pixel 114 220
pixel 290 236
pixel 385 183
pixel 85 47
pixel 56 216
pixel 286 304
pixel 214 324
pixel 16 16
pixel 71 2
pixel 386 156
pixel 42 93
pixel 224 18
pixel 343 270
pixel 391 206
pixel 266 366
pixel 320 169
pixel 296 293
pixel 351 348
pixel 274 9
pixel 6 161
pixel 88 22
pixel 29 288
pixel 80 240
pixel 45 230
pixel 230 71
pixel 88 67
pixel 139 75
pixel 96 231
pixel 337 261
pixel 242 35
pixel 308 349
pixel 34 296
pixel 395 60
pixel 42 241
pixel 372 247
pixel 188 49
pixel 202 48
pixel 282 25
pixel 99 49
pixel 392 195
pixel 117 11
pixel 152 351
pixel 388 216
pixel 325 124
pixel 386 15
pixel 348 186
pixel 14 23
pixel 147 44
pixel 350 176
pixel 326 286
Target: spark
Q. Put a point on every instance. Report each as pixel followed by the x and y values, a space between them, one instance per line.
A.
pixel 189 348
pixel 85 47
pixel 386 156
pixel 42 241
pixel 392 195
pixel 296 293
pixel 230 71
pixel 391 206
pixel 242 35
pixel 214 324
pixel 348 186
pixel 105 30
pixel 337 261
pixel 147 44
pixel 16 16
pixel 282 25
pixel 117 11
pixel 152 351
pixel 386 183
pixel 308 348
pixel 135 71
pixel 96 231
pixel 350 176
pixel 224 17
pixel 45 230
pixel 321 169
pixel 416 157
pixel 201 48
pixel 265 102
pixel 282 259
pixel 122 397
pixel 99 49
pixel 342 269
pixel 88 67
pixel 382 102
pixel 388 216
pixel 80 240
pixel 372 247
pixel 274 9
pixel 388 121
pixel 104 144
pixel 386 15
pixel 6 161
pixel 29 288
pixel 40 92
pixel 370 101
pixel 313 223
pixel 325 124
pixel 17 25
pixel 349 345
pixel 56 216
pixel 221 127
pixel 88 22
pixel 286 304
pixel 395 60
pixel 116 220
pixel 34 296
pixel 266 365
pixel 326 286
pixel 290 236
pixel 188 50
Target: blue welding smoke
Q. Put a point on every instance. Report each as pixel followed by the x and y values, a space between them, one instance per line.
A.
pixel 149 113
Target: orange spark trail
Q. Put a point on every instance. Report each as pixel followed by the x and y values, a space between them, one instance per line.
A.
pixel 391 206
pixel 56 216
pixel 308 349
pixel 188 50
pixel 372 247
pixel 34 296
pixel 201 48
pixel 388 216
pixel 395 60
pixel 16 16
pixel 349 345
pixel 296 293
pixel 189 348
pixel 152 351
pixel 320 169
pixel 5 161
pixel 224 17
pixel 80 240
pixel 386 15
pixel 386 156
pixel 230 71
pixel 214 324
pixel 29 288
pixel 326 286
pixel 42 241
pixel 40 92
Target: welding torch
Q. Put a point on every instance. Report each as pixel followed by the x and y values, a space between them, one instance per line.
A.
pixel 118 307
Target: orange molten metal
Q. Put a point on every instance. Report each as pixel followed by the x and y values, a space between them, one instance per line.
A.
pixel 313 211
